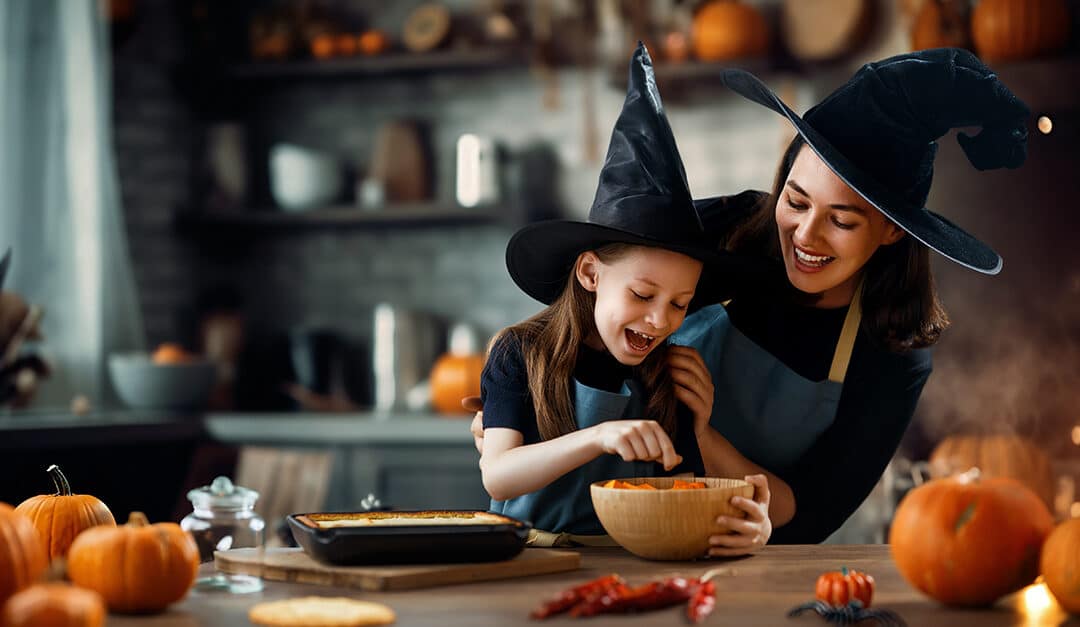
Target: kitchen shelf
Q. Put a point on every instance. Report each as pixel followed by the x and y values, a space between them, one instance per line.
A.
pixel 390 64
pixel 415 215
pixel 701 71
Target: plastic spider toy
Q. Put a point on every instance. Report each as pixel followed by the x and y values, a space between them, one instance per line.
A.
pixel 843 597
pixel 849 614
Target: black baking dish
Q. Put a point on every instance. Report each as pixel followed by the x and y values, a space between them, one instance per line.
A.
pixel 466 536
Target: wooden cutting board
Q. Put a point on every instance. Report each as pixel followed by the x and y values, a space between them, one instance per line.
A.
pixel 294 565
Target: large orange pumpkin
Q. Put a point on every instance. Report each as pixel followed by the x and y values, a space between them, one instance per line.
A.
pixel 137 567
pixel 1060 564
pixel 968 541
pixel 62 516
pixel 727 29
pixel 453 378
pixel 22 554
pixel 1006 30
pixel 996 456
pixel 54 605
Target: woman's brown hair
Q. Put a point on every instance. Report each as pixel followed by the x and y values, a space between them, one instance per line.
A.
pixel 550 341
pixel 901 309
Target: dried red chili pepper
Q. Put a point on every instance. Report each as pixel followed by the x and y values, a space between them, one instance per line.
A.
pixel 702 603
pixel 573 596
pixel 650 596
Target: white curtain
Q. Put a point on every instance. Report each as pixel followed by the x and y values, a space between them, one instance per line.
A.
pixel 59 201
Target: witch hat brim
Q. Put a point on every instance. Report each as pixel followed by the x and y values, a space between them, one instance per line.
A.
pixel 933 230
pixel 541 256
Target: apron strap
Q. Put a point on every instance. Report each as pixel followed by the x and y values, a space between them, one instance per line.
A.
pixel 846 343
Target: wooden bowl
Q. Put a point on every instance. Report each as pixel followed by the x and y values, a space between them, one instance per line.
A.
pixel 667 524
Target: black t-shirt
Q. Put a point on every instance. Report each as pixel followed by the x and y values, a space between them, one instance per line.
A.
pixel 508 403
pixel 879 396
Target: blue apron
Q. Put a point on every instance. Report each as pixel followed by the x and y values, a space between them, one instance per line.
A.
pixel 769 412
pixel 565 505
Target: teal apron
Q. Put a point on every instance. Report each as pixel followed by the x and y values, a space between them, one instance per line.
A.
pixel 564 507
pixel 770 413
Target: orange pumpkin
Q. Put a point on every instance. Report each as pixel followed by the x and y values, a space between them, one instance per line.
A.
pixel 137 567
pixel 62 516
pixel 453 378
pixel 997 455
pixel 22 555
pixel 54 605
pixel 940 24
pixel 1060 564
pixel 727 29
pixel 373 42
pixel 968 541
pixel 845 586
pixel 1006 30
pixel 171 353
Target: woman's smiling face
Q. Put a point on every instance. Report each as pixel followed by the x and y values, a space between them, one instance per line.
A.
pixel 641 298
pixel 827 231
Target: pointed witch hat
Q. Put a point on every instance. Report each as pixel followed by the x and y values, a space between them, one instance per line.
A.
pixel 642 198
pixel 878 132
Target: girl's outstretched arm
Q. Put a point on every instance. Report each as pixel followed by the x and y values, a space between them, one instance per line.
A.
pixel 510 469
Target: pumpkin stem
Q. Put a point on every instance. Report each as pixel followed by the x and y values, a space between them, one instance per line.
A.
pixel 63 488
pixel 137 519
pixel 844 571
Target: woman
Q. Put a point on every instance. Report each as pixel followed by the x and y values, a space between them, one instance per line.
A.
pixel 817 378
pixel 815 375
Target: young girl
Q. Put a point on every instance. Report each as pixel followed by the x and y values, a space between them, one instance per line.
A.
pixel 582 391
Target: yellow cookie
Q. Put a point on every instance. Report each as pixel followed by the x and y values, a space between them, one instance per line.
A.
pixel 320 612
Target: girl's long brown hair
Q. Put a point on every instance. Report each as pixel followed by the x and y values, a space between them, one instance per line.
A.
pixel 901 309
pixel 550 341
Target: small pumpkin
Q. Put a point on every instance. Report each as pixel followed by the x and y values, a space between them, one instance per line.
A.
pixel 1060 564
pixel 62 516
pixel 841 587
pixel 968 541
pixel 940 24
pixel 137 567
pixel 22 555
pixel 54 605
pixel 728 29
pixel 453 377
pixel 1007 30
pixel 997 455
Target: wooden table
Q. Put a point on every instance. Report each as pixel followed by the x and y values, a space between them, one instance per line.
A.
pixel 756 590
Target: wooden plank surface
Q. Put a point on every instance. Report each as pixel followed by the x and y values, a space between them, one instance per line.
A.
pixel 293 565
pixel 753 591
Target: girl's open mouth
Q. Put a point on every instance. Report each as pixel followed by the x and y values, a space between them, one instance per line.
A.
pixel 639 341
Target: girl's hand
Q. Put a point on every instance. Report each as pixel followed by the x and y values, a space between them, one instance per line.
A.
pixel 637 440
pixel 693 383
pixel 750 533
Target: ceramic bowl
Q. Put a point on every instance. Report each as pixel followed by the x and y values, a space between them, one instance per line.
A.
pixel 303 179
pixel 666 524
pixel 142 384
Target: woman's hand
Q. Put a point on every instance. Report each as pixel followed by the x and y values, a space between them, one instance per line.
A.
pixel 637 440
pixel 472 403
pixel 750 533
pixel 693 383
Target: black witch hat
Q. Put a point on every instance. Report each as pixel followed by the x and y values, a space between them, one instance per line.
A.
pixel 642 199
pixel 878 133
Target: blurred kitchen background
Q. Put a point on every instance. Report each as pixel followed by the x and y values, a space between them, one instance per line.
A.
pixel 265 239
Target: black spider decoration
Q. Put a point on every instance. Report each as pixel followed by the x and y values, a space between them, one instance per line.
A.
pixel 849 614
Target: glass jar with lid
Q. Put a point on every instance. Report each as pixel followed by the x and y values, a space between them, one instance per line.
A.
pixel 224 518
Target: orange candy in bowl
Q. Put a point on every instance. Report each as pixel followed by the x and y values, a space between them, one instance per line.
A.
pixel 665 518
pixel 169 378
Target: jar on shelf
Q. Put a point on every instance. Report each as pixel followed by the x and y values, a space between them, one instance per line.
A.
pixel 224 519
